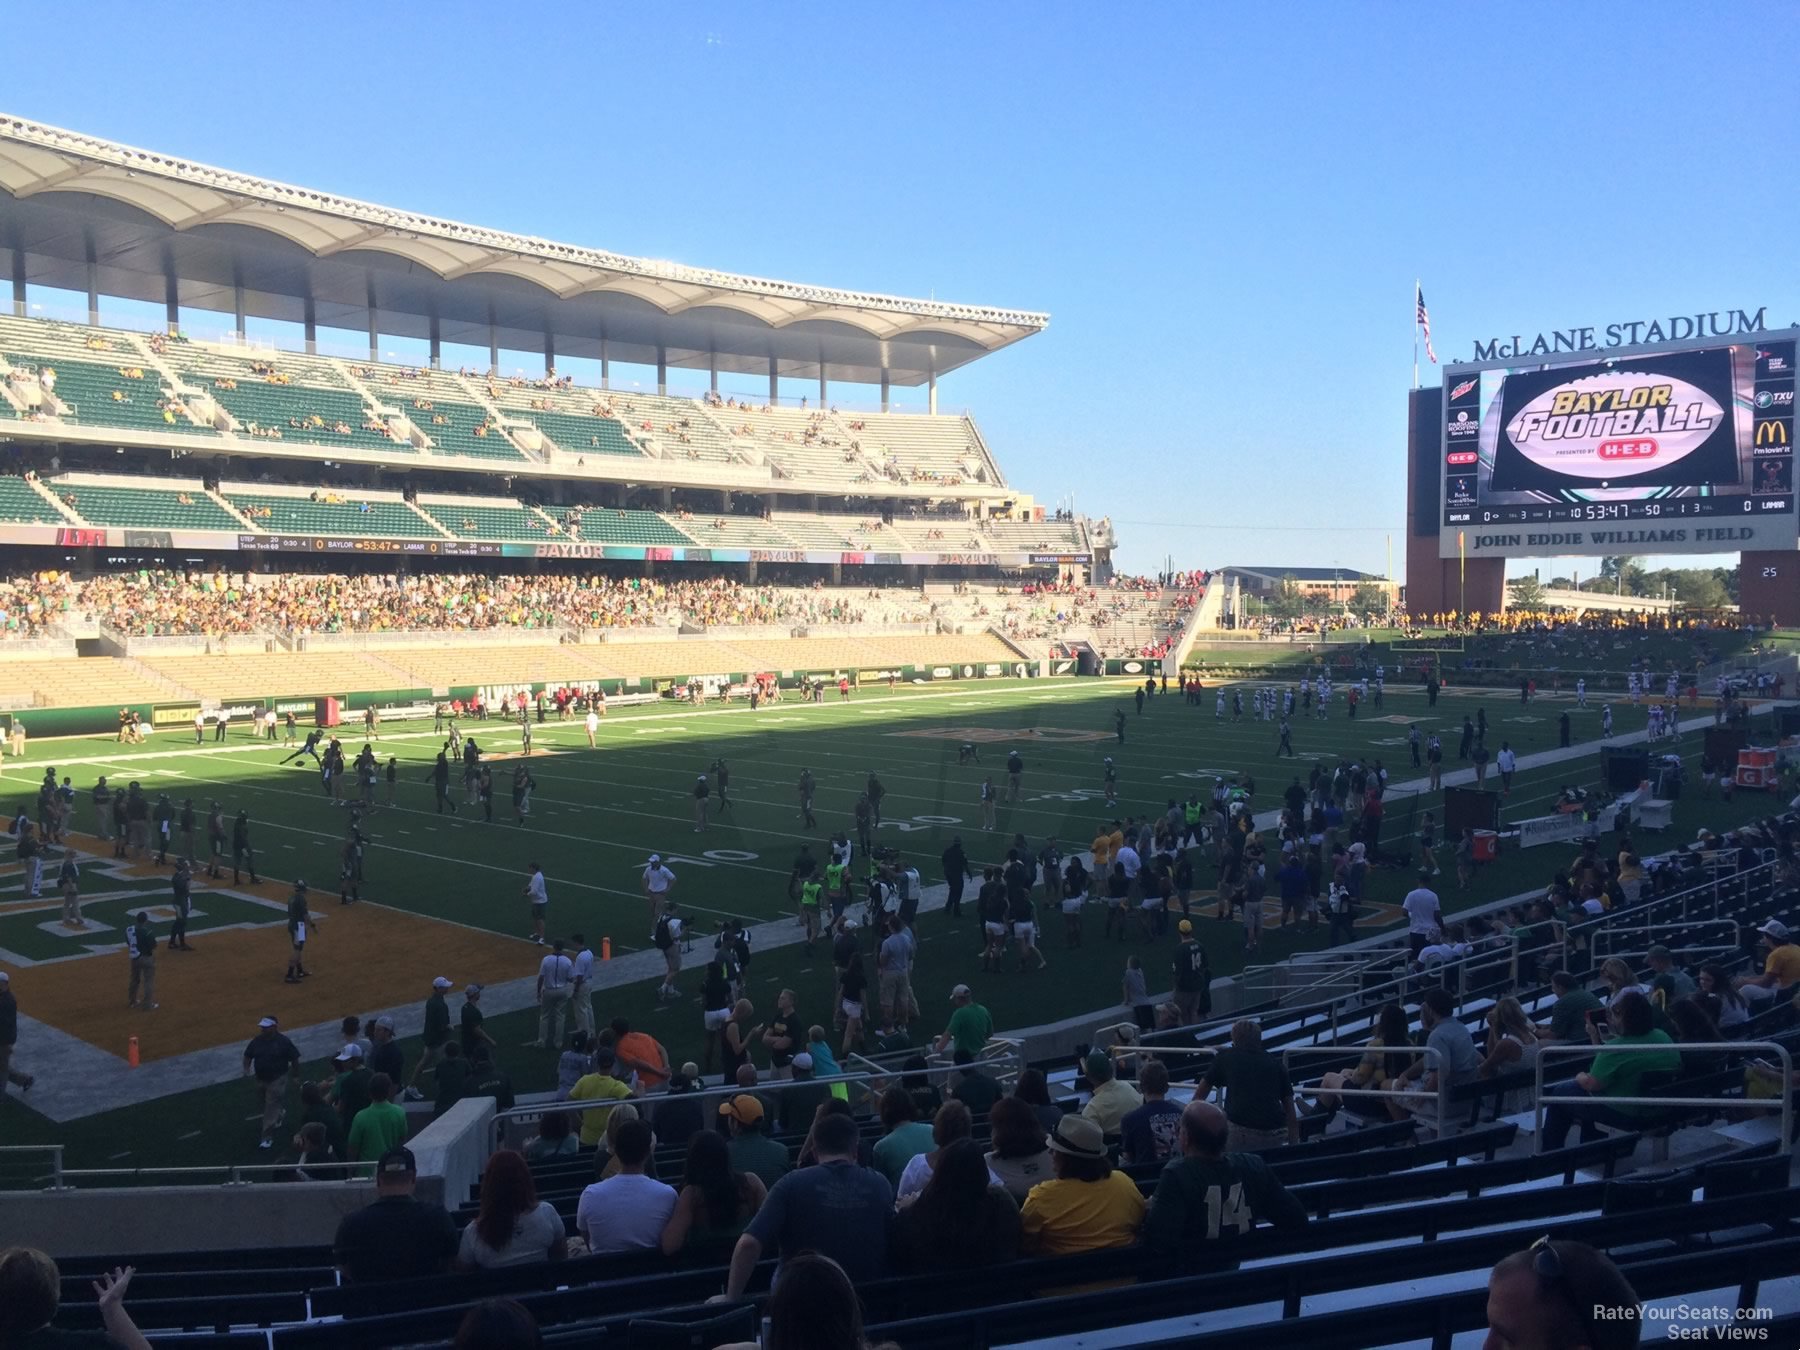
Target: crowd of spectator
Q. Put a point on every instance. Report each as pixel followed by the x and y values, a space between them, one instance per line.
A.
pixel 148 603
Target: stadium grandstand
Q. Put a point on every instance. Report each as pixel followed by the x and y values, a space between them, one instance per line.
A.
pixel 601 706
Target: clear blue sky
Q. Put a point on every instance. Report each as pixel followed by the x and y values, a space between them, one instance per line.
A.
pixel 1223 208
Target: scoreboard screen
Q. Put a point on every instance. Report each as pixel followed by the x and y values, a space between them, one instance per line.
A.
pixel 1677 449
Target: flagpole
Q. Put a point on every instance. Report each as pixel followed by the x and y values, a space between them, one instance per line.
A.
pixel 1415 332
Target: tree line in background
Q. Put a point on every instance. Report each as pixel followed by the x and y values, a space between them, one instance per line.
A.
pixel 1691 587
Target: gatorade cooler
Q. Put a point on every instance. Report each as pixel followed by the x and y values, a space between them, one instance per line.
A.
pixel 1756 767
pixel 1487 845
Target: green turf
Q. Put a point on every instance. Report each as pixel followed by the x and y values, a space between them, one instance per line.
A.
pixel 598 814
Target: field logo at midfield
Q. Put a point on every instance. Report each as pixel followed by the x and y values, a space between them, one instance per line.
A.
pixel 1400 719
pixel 987 735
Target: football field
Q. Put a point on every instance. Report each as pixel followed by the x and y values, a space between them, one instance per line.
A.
pixel 443 893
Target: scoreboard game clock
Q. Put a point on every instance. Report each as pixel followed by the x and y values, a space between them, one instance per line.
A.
pixel 1680 448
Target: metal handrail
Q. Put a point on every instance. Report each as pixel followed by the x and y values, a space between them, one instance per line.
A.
pixel 1736 943
pixel 1010 1061
pixel 239 1174
pixel 1445 1128
pixel 1783 1102
pixel 1359 999
pixel 56 1158
pixel 1327 968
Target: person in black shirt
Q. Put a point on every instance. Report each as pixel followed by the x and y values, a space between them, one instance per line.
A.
pixel 853 986
pixel 487 1080
pixel 384 1051
pixel 187 824
pixel 876 792
pixel 990 907
pixel 439 778
pixel 398 1237
pixel 785 1036
pixel 678 1117
pixel 715 999
pixel 865 823
pixel 309 747
pixel 806 798
pixel 242 855
pixel 956 871
pixel 182 885
pixel 270 1056
pixel 1021 917
pixel 121 819
pixel 215 838
pixel 470 1033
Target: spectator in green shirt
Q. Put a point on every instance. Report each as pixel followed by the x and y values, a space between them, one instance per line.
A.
pixel 1207 1196
pixel 751 1148
pixel 1569 1018
pixel 379 1126
pixel 1614 1074
pixel 970 1024
pixel 907 1136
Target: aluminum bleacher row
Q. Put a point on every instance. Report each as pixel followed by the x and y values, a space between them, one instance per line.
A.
pixel 1404 1225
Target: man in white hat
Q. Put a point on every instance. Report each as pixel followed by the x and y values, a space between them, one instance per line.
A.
pixel 1781 967
pixel 659 885
pixel 9 1038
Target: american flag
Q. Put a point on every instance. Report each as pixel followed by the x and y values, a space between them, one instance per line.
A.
pixel 1424 320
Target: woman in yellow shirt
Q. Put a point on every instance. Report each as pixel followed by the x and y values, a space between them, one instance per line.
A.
pixel 1087 1206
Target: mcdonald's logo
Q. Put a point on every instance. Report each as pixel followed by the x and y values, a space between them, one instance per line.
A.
pixel 1771 433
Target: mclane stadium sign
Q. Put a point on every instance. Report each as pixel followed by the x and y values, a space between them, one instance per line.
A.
pixel 1723 323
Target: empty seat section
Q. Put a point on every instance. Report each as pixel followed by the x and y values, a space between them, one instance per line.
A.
pixel 681 428
pixel 583 435
pixel 268 674
pixel 737 532
pixel 440 406
pixel 815 532
pixel 490 522
pixel 20 502
pixel 921 448
pixel 613 525
pixel 103 377
pixel 442 667
pixel 90 682
pixel 286 397
pixel 352 516
pixel 147 508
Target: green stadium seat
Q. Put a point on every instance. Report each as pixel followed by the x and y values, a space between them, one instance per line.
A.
pixel 609 525
pixel 490 522
pixel 582 435
pixel 105 396
pixel 20 502
pixel 301 515
pixel 146 508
